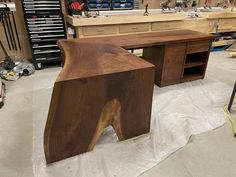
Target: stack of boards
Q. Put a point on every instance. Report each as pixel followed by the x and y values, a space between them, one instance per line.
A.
pixel 2 90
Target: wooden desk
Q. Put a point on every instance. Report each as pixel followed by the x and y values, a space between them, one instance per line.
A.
pixel 179 56
pixel 102 84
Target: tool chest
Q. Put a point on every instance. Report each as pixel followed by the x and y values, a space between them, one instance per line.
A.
pixel 122 4
pixel 45 25
pixel 98 4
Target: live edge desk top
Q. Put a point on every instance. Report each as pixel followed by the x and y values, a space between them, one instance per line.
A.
pixel 102 55
pixel 141 40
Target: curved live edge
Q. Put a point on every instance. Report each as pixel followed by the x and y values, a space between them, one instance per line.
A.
pixel 99 85
pixel 102 84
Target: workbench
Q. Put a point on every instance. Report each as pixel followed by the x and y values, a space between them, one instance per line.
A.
pixel 209 22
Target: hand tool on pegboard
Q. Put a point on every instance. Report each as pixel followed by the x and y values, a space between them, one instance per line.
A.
pixel 2 15
pixel 5 31
pixel 15 27
pixel 10 29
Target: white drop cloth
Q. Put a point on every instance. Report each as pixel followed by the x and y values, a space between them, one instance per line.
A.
pixel 178 112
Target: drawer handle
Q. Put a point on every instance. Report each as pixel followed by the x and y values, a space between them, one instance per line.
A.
pixel 134 28
pixel 100 30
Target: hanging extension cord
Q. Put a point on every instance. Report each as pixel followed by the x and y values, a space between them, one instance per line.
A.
pixel 228 114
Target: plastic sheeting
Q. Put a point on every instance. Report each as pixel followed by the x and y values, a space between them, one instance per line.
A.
pixel 178 112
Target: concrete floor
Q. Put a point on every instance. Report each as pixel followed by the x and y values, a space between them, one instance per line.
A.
pixel 211 154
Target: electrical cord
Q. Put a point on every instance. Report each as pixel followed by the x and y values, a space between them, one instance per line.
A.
pixel 228 114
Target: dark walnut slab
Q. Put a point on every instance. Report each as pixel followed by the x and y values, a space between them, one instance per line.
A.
pixel 169 51
pixel 142 40
pixel 100 85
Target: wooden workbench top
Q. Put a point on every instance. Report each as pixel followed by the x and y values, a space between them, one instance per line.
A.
pixel 112 20
pixel 120 19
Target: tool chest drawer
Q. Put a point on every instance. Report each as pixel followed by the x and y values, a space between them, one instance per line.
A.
pixel 47 57
pixel 168 25
pixel 45 26
pixel 99 30
pixel 46 51
pixel 41 6
pixel 129 28
pixel 98 4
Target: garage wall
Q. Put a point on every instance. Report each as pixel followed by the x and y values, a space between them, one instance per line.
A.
pixel 19 17
pixel 22 35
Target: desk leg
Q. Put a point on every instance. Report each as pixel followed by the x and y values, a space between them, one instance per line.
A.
pixel 155 55
pixel 169 62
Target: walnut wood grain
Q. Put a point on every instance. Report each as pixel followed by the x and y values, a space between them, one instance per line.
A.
pixel 100 85
pixel 141 40
pixel 169 61
pixel 155 55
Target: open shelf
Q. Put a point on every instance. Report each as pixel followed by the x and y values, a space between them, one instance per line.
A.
pixel 192 77
pixel 196 59
pixel 193 73
pixel 193 64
